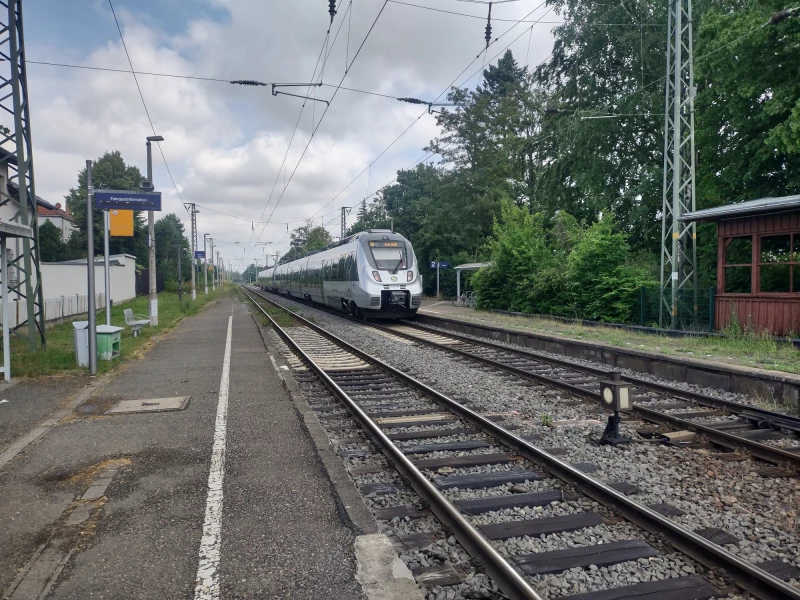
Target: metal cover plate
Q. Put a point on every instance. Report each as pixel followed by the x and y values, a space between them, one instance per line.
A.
pixel 151 405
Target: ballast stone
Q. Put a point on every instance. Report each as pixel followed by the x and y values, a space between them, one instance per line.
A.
pixel 381 573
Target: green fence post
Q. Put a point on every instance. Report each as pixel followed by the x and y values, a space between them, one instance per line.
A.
pixel 712 292
pixel 642 305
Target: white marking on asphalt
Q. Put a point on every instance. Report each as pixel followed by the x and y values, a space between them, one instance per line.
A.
pixel 207 581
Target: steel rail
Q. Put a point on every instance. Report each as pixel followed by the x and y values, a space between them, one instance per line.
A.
pixel 771 454
pixel 506 576
pixel 787 421
pixel 748 576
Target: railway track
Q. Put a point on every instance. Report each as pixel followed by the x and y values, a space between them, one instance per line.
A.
pixel 724 423
pixel 414 426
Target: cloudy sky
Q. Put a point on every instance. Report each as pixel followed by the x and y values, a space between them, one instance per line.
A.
pixel 225 144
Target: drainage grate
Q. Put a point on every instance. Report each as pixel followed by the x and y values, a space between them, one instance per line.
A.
pixel 152 405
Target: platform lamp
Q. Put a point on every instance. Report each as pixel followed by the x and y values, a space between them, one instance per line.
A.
pixel 614 394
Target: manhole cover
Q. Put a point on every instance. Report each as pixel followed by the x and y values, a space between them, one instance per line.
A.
pixel 152 405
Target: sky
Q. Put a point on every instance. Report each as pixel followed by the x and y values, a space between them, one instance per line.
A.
pixel 228 146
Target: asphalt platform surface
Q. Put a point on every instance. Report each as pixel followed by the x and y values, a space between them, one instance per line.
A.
pixel 282 535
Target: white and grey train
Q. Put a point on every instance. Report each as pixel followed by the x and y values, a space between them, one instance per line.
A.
pixel 373 274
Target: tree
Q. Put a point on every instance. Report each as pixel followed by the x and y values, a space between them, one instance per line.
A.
pixel 170 239
pixel 307 239
pixel 51 246
pixel 108 172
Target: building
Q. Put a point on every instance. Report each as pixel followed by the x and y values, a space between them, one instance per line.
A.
pixel 758 263
pixel 58 216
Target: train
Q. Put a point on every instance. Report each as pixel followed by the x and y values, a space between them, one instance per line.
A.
pixel 373 274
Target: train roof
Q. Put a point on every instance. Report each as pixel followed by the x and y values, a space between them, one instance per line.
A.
pixel 368 234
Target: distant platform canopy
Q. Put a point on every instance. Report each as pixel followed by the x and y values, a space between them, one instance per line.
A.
pixel 471 266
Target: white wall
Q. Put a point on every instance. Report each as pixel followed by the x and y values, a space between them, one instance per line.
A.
pixel 65 287
pixel 70 278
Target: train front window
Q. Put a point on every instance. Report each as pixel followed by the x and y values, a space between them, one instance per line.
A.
pixel 390 256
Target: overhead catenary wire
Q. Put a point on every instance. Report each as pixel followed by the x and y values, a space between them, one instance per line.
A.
pixel 325 51
pixel 325 112
pixel 147 112
pixel 430 154
pixel 407 129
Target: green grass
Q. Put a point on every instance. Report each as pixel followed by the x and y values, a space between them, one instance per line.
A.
pixel 280 316
pixel 60 357
pixel 747 349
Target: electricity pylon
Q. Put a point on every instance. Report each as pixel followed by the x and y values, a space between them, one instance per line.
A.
pixel 24 277
pixel 678 297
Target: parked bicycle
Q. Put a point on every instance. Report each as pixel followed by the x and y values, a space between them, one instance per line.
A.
pixel 468 299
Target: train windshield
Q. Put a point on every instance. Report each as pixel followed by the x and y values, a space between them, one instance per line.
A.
pixel 390 256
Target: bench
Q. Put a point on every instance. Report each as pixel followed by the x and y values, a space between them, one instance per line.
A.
pixel 135 322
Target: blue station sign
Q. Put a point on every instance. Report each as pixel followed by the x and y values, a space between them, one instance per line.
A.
pixel 442 264
pixel 127 200
pixel 199 253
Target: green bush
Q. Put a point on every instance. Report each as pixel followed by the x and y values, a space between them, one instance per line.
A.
pixel 560 268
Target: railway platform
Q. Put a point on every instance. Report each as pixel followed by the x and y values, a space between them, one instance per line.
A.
pixel 223 495
pixel 651 354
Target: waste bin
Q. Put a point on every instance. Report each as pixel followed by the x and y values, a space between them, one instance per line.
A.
pixel 80 340
pixel 108 341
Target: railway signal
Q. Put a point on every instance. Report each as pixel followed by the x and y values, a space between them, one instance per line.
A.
pixel 614 394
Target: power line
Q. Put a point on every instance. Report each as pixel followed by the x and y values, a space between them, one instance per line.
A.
pixel 147 112
pixel 323 52
pixel 325 112
pixel 437 98
pixel 480 17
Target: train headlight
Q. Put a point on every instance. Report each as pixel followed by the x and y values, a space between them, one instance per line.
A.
pixel 376 276
pixel 409 275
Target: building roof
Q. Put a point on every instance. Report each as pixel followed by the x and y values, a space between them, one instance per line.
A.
pixel 762 206
pixel 13 191
pixel 56 211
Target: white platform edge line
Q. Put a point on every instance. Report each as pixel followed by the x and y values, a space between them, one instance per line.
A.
pixel 207 581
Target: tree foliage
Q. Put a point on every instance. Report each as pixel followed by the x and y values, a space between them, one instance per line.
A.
pixel 306 239
pixel 51 247
pixel 556 172
pixel 108 172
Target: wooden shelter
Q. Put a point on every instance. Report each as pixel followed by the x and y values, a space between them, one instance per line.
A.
pixel 758 263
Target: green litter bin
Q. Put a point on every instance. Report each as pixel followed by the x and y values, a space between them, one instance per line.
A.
pixel 108 341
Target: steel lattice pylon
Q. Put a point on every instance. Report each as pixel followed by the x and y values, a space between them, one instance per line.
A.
pixel 678 239
pixel 15 141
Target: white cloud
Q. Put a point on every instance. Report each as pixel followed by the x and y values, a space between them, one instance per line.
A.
pixel 225 143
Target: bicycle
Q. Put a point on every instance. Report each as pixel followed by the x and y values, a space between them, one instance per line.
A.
pixel 468 299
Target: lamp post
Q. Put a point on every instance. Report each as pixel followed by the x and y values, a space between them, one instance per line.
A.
pixel 205 261
pixel 213 270
pixel 151 234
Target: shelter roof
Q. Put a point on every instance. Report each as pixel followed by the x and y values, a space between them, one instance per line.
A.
pixel 472 266
pixel 762 206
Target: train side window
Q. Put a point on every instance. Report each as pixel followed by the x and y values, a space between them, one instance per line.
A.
pixel 347 269
pixel 342 269
pixel 353 267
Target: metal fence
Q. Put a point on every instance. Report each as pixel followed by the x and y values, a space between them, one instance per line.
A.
pixel 54 308
pixel 645 312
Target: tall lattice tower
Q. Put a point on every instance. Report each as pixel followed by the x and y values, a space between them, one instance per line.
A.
pixel 16 163
pixel 678 305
